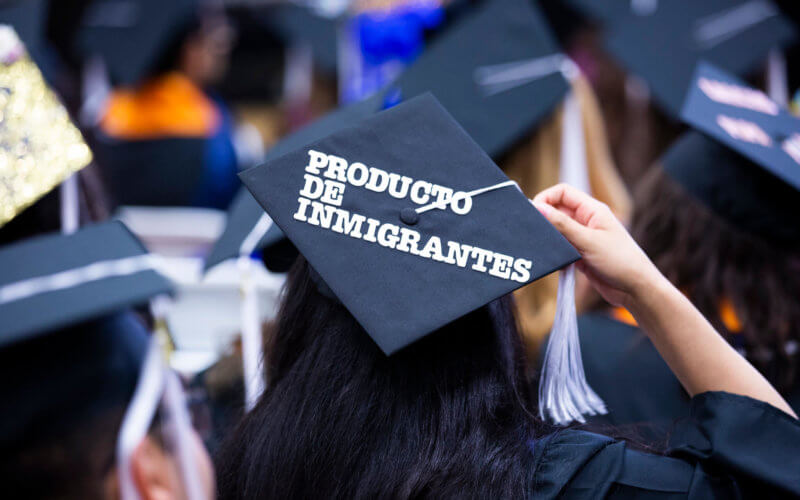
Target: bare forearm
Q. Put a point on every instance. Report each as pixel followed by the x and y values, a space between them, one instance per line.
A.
pixel 700 358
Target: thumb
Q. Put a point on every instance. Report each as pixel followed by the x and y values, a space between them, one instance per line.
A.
pixel 575 232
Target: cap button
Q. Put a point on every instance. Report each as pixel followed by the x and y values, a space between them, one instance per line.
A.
pixel 409 216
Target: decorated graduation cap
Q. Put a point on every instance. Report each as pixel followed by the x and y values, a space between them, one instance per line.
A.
pixel 407 222
pixel 73 348
pixel 664 47
pixel 132 36
pixel 39 145
pixel 498 71
pixel 743 160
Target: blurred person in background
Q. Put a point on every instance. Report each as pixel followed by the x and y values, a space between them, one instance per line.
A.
pixel 161 137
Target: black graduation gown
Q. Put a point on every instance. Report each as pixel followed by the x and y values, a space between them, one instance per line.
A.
pixel 626 370
pixel 728 447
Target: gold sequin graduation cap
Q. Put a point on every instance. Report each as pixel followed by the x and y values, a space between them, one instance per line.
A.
pixel 39 145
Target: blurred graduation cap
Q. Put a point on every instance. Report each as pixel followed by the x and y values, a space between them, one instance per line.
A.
pixel 244 213
pixel 62 300
pixel 407 197
pixel 299 24
pixel 743 160
pixel 29 20
pixel 498 71
pixel 74 350
pixel 39 145
pixel 663 48
pixel 132 36
pixel 612 12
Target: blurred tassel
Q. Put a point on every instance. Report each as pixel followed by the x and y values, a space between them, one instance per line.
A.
pixel 252 343
pixel 777 86
pixel 70 204
pixel 564 394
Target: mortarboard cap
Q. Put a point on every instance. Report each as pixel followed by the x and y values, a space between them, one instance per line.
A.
pixel 663 48
pixel 39 145
pixel 300 24
pixel 28 18
pixel 744 163
pixel 66 338
pixel 360 205
pixel 244 212
pixel 132 36
pixel 498 71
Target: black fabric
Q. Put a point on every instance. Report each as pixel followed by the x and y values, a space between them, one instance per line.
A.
pixel 498 32
pixel 45 255
pixel 55 382
pixel 133 36
pixel 713 454
pixel 625 369
pixel 244 212
pixel 627 372
pixel 29 19
pixel 152 172
pixel 399 296
pixel 664 48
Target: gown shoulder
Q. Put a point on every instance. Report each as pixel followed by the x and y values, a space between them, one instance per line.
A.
pixel 712 453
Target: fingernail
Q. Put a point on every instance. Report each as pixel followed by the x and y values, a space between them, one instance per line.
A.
pixel 543 208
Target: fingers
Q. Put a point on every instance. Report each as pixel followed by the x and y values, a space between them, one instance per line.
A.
pixel 575 232
pixel 571 200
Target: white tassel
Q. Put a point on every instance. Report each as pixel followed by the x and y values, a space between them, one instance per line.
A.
pixel 70 204
pixel 252 343
pixel 564 394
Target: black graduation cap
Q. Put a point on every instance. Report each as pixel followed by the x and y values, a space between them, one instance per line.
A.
pixel 360 205
pixel 245 212
pixel 294 23
pixel 132 36
pixel 664 48
pixel 498 71
pixel 68 348
pixel 29 19
pixel 744 163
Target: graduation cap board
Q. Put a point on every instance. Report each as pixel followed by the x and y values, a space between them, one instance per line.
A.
pixel 74 351
pixel 39 145
pixel 664 48
pixel 108 251
pixel 245 212
pixel 747 167
pixel 28 18
pixel 407 221
pixel 131 36
pixel 498 71
pixel 299 24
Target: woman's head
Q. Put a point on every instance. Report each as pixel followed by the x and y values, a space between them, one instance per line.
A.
pixel 744 284
pixel 445 415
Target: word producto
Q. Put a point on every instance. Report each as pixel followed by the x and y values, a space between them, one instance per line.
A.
pixel 325 180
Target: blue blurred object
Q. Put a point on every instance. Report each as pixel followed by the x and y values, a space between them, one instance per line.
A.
pixel 381 43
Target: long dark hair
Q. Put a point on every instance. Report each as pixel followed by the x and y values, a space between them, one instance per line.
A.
pixel 446 417
pixel 712 261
